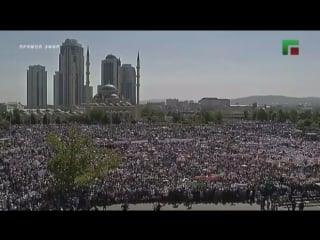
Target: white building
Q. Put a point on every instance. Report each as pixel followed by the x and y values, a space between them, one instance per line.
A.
pixel 10 106
pixel 36 86
pixel 172 103
pixel 158 106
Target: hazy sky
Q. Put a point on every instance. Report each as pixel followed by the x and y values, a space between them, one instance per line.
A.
pixel 175 64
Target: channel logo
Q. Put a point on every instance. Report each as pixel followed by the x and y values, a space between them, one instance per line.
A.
pixel 292 44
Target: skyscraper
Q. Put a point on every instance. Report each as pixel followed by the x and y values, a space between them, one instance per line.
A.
pixel 128 83
pixel 111 72
pixel 71 75
pixel 36 86
pixel 57 89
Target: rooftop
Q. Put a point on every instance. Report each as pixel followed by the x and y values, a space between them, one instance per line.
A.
pixel 71 42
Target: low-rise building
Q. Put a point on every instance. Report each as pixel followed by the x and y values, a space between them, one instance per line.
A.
pixel 157 106
pixel 10 106
pixel 237 111
pixel 214 103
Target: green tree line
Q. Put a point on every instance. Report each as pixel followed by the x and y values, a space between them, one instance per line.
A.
pixel 151 115
pixel 94 116
pixel 302 119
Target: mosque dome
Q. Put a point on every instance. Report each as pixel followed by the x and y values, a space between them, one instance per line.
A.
pixel 109 87
pixel 71 42
pixel 110 56
pixel 114 95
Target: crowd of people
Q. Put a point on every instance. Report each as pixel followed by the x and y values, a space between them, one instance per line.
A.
pixel 228 163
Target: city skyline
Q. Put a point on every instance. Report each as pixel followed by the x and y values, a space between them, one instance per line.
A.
pixel 187 65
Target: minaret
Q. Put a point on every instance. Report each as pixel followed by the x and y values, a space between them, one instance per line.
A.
pixel 119 80
pixel 87 77
pixel 138 78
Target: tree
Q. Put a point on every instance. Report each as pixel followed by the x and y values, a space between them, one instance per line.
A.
pixel 307 123
pixel 246 114
pixel 206 116
pixel 269 114
pixel 8 116
pixel 211 117
pixel 146 113
pixel 45 119
pixel 159 116
pixel 73 119
pixel 58 120
pixel 306 114
pixel 262 115
pixel 4 124
pixel 76 164
pixel 33 118
pixel 177 117
pixel 315 116
pixel 314 125
pixel 5 114
pixel 105 118
pixel 152 115
pixel 85 119
pixel 300 124
pixel 96 115
pixel 116 118
pixel 254 115
pixel 254 105
pixel 293 116
pixel 217 117
pixel 281 116
pixel 16 117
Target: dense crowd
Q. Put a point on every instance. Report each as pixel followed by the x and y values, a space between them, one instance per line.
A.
pixel 229 163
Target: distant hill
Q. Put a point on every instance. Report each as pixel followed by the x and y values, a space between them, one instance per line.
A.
pixel 277 100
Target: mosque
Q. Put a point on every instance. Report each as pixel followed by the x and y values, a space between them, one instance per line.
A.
pixel 108 99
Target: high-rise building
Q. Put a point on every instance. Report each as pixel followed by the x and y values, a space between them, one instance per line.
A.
pixel 36 86
pixel 57 89
pixel 111 72
pixel 128 87
pixel 70 80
